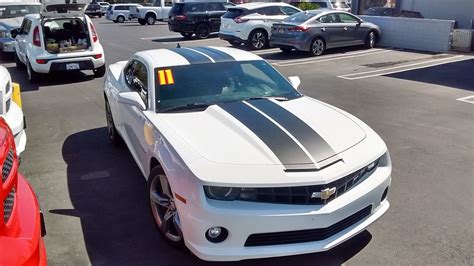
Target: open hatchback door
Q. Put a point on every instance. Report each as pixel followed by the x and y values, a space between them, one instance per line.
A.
pixel 63 8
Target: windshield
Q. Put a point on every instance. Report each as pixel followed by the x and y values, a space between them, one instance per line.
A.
pixel 219 82
pixel 300 17
pixel 18 10
pixel 340 5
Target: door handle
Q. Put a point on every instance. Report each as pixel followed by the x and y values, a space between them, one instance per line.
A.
pixel 323 29
pixel 345 28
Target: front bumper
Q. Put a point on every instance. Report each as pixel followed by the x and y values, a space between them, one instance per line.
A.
pixel 22 243
pixel 7 45
pixel 243 219
pixel 16 121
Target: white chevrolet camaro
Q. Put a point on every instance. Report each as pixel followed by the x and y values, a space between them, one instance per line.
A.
pixel 240 164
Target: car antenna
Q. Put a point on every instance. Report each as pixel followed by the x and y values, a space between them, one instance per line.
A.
pixel 177 45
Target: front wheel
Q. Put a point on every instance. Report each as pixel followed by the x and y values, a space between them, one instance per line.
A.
pixel 120 19
pixel 99 72
pixel 202 31
pixel 163 207
pixel 318 46
pixel 114 136
pixel 258 40
pixel 150 20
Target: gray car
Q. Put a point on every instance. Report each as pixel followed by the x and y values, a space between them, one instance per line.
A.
pixel 318 30
pixel 11 17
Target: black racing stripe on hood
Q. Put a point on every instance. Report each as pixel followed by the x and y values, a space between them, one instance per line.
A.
pixel 283 146
pixel 193 57
pixel 310 139
pixel 216 55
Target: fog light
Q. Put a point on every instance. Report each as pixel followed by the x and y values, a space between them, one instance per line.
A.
pixel 216 234
pixel 384 195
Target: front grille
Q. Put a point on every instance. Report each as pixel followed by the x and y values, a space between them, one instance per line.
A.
pixel 303 194
pixel 7 165
pixel 8 206
pixel 302 236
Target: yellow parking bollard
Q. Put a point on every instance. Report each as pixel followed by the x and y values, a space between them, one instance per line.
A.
pixel 16 94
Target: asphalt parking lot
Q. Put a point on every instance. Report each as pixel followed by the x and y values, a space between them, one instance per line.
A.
pixel 94 197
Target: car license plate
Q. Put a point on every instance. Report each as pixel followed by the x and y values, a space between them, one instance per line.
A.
pixel 72 66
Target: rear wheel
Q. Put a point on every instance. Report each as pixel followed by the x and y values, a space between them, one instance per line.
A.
pixel 318 46
pixel 120 19
pixel 114 136
pixel 33 76
pixel 163 207
pixel 370 40
pixel 187 34
pixel 142 21
pixel 258 39
pixel 202 31
pixel 150 19
pixel 19 64
pixel 99 72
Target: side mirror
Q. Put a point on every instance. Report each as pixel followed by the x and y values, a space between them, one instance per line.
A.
pixel 295 81
pixel 132 98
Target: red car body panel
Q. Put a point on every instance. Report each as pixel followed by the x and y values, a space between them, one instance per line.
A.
pixel 21 241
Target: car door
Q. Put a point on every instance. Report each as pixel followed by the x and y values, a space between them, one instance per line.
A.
pixel 215 11
pixel 353 34
pixel 331 29
pixel 22 39
pixel 136 77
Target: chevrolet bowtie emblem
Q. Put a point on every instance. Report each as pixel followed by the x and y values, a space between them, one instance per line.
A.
pixel 324 194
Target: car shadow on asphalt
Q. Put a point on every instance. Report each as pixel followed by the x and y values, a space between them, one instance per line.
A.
pixel 181 39
pixel 109 196
pixel 52 79
pixel 457 75
pixel 136 24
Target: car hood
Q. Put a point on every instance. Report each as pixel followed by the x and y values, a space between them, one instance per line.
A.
pixel 11 23
pixel 301 133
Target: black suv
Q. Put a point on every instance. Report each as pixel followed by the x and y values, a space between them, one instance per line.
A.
pixel 93 10
pixel 200 18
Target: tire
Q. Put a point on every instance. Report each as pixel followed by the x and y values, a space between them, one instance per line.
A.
pixel 114 136
pixel 318 46
pixel 18 63
pixel 187 34
pixel 33 76
pixel 258 39
pixel 142 21
pixel 150 19
pixel 162 205
pixel 99 72
pixel 285 50
pixel 370 40
pixel 202 31
pixel 120 19
pixel 235 43
pixel 100 15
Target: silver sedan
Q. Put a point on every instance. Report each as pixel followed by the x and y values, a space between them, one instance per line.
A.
pixel 318 30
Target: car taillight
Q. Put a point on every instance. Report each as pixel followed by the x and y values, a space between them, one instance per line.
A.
pixel 298 29
pixel 41 61
pixel 240 20
pixel 180 17
pixel 36 37
pixel 94 33
pixel 98 56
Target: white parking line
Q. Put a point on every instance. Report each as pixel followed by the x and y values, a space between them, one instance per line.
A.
pixel 270 51
pixel 397 69
pixel 331 58
pixel 467 99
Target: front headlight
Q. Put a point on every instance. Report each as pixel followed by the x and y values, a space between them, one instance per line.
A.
pixel 4 34
pixel 222 193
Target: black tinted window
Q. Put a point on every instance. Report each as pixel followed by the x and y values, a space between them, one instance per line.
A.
pixel 177 9
pixel 25 27
pixel 300 17
pixel 215 7
pixel 200 7
pixel 233 13
pixel 136 77
pixel 289 10
pixel 331 18
pixel 271 11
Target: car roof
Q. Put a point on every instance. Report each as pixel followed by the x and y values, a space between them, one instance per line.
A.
pixel 130 4
pixel 178 56
pixel 256 5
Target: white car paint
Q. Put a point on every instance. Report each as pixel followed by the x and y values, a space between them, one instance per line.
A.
pixel 119 10
pixel 209 148
pixel 253 21
pixel 10 111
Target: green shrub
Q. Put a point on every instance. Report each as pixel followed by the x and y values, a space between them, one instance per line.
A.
pixel 308 6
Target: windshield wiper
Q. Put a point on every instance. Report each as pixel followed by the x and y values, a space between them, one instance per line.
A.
pixel 278 98
pixel 185 107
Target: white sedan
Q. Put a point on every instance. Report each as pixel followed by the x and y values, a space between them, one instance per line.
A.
pixel 240 164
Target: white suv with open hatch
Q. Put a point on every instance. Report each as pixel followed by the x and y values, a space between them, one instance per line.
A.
pixel 60 38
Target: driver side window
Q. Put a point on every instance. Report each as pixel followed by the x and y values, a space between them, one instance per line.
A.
pixel 136 77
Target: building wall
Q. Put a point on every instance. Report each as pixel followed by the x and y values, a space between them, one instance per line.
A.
pixel 461 11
